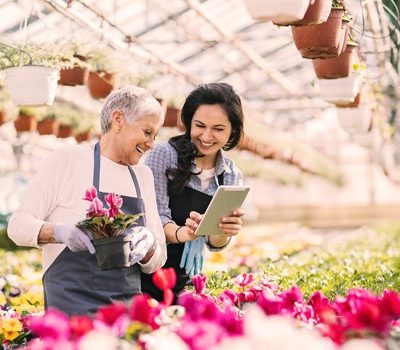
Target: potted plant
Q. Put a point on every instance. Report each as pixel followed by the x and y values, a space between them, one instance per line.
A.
pixel 317 12
pixel 78 72
pixel 283 12
pixel 110 229
pixel 48 123
pixel 173 113
pixel 315 41
pixel 355 119
pixel 26 119
pixel 68 118
pixel 31 72
pixel 3 115
pixel 102 76
pixel 86 126
pixel 337 67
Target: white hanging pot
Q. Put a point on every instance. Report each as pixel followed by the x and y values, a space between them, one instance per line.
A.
pixel 354 120
pixel 342 90
pixel 282 11
pixel 32 85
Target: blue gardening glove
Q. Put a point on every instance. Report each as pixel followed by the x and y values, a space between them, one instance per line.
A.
pixel 74 238
pixel 142 241
pixel 192 256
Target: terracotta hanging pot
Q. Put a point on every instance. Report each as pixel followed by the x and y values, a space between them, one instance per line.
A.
pixel 171 117
pixel 317 12
pixel 3 117
pixel 25 123
pixel 73 76
pixel 344 34
pixel 100 84
pixel 64 131
pixel 82 136
pixel 48 127
pixel 315 41
pixel 336 67
pixel 357 101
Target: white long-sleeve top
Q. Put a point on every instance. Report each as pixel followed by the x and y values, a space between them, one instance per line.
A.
pixel 56 191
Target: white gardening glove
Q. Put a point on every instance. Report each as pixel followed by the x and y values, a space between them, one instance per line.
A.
pixel 74 238
pixel 142 242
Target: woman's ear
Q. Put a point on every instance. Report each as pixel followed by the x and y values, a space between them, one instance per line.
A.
pixel 118 119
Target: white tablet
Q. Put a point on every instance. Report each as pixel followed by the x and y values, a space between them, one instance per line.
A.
pixel 225 200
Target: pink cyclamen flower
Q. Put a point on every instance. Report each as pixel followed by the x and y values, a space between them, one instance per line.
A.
pixel 114 200
pixel 199 282
pixel 90 194
pixel 53 324
pixel 244 279
pixel 96 208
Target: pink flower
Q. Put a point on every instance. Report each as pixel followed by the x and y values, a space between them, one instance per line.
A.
pixel 80 325
pixel 109 314
pixel 229 296
pixel 199 282
pixel 53 324
pixel 164 278
pixel 144 309
pixel 244 279
pixel 90 194
pixel 96 208
pixel 115 202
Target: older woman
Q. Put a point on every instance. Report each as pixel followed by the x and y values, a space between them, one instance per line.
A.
pixel 46 219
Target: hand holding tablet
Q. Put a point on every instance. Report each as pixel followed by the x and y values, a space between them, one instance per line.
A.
pixel 225 200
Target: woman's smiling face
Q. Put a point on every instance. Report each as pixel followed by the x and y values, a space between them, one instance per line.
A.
pixel 136 138
pixel 210 129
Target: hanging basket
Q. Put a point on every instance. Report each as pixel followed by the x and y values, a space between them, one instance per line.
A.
pixel 3 117
pixel 100 84
pixel 336 67
pixel 283 12
pixel 317 12
pixel 171 117
pixel 82 136
pixel 355 119
pixel 357 101
pixel 315 41
pixel 32 85
pixel 64 131
pixel 342 90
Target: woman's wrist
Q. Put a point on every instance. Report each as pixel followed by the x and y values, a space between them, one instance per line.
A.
pixel 177 233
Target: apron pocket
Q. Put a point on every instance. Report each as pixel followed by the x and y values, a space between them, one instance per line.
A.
pixel 124 280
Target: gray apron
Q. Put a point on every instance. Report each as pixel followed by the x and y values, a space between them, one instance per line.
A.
pixel 75 284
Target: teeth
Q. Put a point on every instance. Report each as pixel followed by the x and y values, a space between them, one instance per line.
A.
pixel 206 144
pixel 139 150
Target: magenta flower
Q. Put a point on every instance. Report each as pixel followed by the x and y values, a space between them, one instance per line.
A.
pixel 114 201
pixel 229 296
pixel 244 279
pixel 53 324
pixel 96 208
pixel 90 194
pixel 109 314
pixel 199 282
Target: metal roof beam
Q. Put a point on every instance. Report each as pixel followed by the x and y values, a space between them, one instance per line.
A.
pixel 246 50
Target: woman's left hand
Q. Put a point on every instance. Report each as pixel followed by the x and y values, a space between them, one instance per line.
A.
pixel 231 225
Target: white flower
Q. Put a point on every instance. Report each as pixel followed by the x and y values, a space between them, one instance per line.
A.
pixel 233 343
pixel 99 340
pixel 364 344
pixel 162 338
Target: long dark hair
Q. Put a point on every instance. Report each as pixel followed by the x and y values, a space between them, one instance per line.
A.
pixel 221 94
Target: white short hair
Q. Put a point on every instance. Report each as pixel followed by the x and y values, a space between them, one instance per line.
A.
pixel 135 102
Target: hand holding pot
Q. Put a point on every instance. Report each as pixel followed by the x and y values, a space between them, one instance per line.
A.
pixel 74 238
pixel 142 242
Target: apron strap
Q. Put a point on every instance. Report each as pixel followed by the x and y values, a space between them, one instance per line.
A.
pixel 96 172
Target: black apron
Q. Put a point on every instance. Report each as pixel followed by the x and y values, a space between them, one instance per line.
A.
pixel 181 205
pixel 75 284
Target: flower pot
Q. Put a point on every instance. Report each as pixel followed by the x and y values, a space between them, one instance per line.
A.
pixel 283 12
pixel 73 76
pixel 317 12
pixel 315 41
pixel 353 104
pixel 64 131
pixel 355 119
pixel 32 85
pixel 171 117
pixel 342 90
pixel 113 252
pixel 3 117
pixel 336 67
pixel 100 84
pixel 25 123
pixel 48 127
pixel 82 137
pixel 344 34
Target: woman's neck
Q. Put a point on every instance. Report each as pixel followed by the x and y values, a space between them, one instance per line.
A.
pixel 107 148
pixel 206 162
